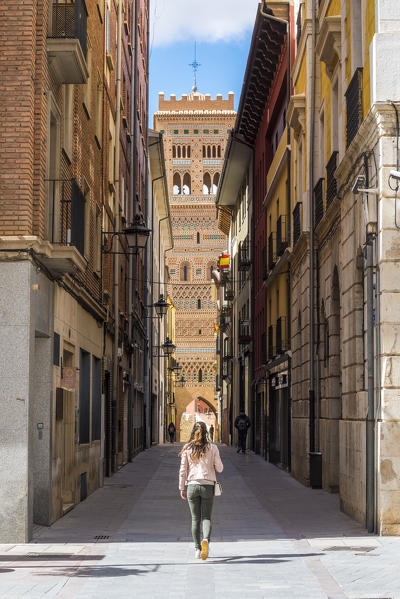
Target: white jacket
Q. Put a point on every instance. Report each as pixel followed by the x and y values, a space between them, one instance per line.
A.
pixel 200 469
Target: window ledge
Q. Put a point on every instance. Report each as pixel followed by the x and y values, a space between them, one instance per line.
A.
pixel 296 114
pixel 328 44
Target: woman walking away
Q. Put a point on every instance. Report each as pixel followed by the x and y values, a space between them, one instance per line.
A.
pixel 199 462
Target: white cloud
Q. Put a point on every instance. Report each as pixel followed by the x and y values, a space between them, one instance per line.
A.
pixel 202 20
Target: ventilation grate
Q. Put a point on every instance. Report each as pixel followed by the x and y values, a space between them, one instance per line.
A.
pixel 102 537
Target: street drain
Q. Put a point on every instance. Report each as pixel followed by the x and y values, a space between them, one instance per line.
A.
pixel 102 537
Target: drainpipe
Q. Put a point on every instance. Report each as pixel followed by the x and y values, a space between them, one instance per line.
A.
pixel 116 241
pixel 370 424
pixel 312 443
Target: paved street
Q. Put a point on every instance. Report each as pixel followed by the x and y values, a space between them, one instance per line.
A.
pixel 272 538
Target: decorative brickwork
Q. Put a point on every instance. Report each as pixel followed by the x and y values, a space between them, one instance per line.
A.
pixel 195 131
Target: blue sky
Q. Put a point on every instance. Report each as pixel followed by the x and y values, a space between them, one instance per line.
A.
pixel 222 46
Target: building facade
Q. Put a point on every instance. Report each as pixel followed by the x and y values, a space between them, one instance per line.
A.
pixel 195 129
pixel 67 181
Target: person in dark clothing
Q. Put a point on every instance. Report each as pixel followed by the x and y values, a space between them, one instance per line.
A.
pixel 171 432
pixel 242 423
pixel 212 432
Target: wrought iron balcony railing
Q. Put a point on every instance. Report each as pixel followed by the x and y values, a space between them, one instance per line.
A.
pixel 281 235
pixel 319 201
pixel 69 20
pixel 271 251
pixel 66 214
pixel 331 185
pixel 244 332
pixel 297 224
pixel 354 106
pixel 244 255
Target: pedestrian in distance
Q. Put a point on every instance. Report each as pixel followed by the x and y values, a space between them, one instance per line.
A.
pixel 242 423
pixel 171 432
pixel 211 431
pixel 200 460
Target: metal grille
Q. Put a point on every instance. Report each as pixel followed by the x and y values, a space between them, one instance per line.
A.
pixel 331 185
pixel 281 235
pixel 319 201
pixel 244 332
pixel 296 223
pixel 69 20
pixel 353 106
pixel 271 251
pixel 244 255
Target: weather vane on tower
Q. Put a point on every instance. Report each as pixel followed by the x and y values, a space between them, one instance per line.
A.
pixel 195 66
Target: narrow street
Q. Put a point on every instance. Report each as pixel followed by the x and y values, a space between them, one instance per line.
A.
pixel 272 538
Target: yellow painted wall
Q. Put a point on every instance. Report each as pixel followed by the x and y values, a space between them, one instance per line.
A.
pixel 369 28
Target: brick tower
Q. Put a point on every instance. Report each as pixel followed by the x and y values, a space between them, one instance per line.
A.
pixel 195 130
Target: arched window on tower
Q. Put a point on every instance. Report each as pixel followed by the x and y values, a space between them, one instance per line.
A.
pixel 173 151
pixel 214 152
pixel 179 151
pixel 215 182
pixel 198 237
pixel 199 304
pixel 219 151
pixel 200 376
pixel 186 184
pixel 206 184
pixel 204 152
pixel 183 151
pixel 208 151
pixel 188 152
pixel 185 272
pixel 176 184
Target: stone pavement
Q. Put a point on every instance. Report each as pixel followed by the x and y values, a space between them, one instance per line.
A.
pixel 272 538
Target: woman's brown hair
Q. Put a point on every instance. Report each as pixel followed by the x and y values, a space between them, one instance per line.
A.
pixel 198 442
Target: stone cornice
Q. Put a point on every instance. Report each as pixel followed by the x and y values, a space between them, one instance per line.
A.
pixel 328 42
pixel 300 250
pixel 296 114
pixel 305 32
pixel 379 122
pixel 328 222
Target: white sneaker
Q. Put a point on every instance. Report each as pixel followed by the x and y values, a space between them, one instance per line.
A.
pixel 197 554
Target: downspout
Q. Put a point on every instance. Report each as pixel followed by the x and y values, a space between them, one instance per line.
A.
pixel 312 443
pixel 132 273
pixel 149 204
pixel 370 424
pixel 116 240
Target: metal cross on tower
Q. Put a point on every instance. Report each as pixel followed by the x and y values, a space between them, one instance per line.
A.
pixel 195 66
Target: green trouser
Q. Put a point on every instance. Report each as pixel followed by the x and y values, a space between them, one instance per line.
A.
pixel 200 499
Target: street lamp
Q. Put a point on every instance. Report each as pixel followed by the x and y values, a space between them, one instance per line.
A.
pixel 168 347
pixel 180 382
pixel 137 234
pixel 161 306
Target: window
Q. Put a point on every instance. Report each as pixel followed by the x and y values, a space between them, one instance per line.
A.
pixel 84 397
pixel 186 187
pixel 206 131
pixel 199 304
pixel 173 151
pixel 96 398
pixel 185 273
pixel 208 151
pixel 199 331
pixel 195 131
pixel 179 151
pixel 68 119
pixel 335 115
pixel 204 152
pixel 176 131
pixel 176 184
pixel 200 376
pixel 188 151
pixel 215 183
pixel 216 131
pixel 206 183
pixel 99 109
pixel 97 245
pixel 198 237
pixel 162 131
pixel 219 151
pixel 322 144
pixel 186 131
pixel 198 272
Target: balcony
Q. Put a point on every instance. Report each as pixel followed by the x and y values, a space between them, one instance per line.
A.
pixel 244 255
pixel 281 335
pixel 225 319
pixel 66 228
pixel 244 332
pixel 354 106
pixel 271 251
pixel 297 222
pixel 226 366
pixel 331 185
pixel 229 292
pixel 271 349
pixel 281 235
pixel 66 42
pixel 319 201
